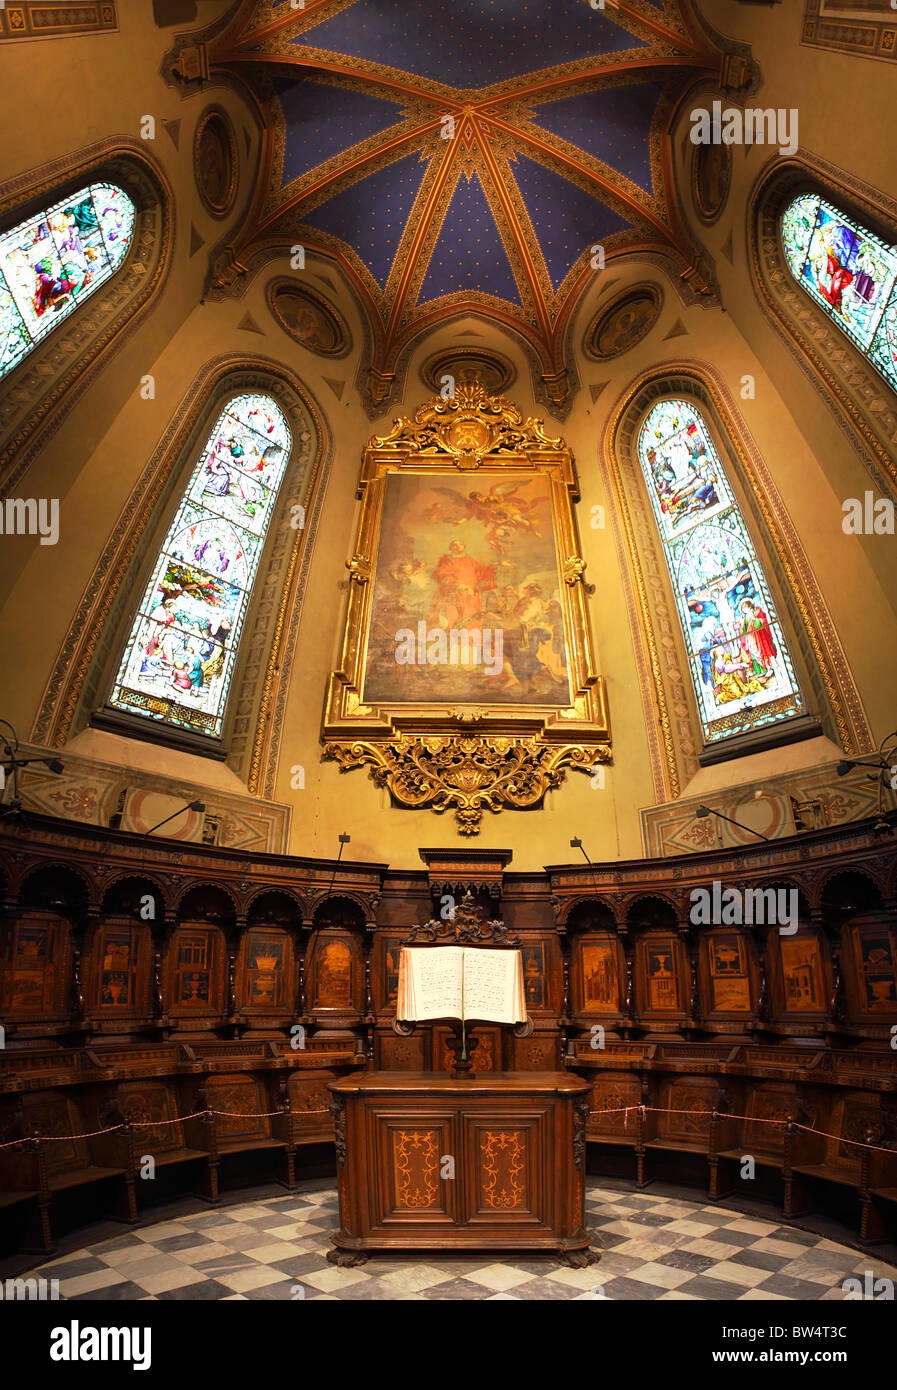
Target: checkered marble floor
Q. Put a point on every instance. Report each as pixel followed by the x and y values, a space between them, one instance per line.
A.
pixel 653 1247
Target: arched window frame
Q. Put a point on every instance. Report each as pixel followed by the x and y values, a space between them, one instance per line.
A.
pixel 673 733
pixel 50 379
pixel 208 518
pixel 90 652
pixel 850 388
pixel 77 245
pixel 674 546
pixel 859 256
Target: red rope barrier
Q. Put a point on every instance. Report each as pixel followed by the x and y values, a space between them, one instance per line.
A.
pixel 269 1114
pixel 155 1124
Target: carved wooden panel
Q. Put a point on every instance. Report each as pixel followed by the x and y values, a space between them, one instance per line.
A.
pixel 506 1163
pixel 401 1054
pixel 483 1047
pixel 661 974
pixel 334 972
pixel 410 1150
pixel 799 986
pixel 196 971
pixel 265 972
pixel 243 1098
pixel 385 970
pixel 541 1052
pixel 34 969
pixel 852 1118
pixel 310 1103
pixel 728 986
pixel 692 1099
pixel 149 1104
pixel 613 1092
pixel 869 965
pixel 117 968
pixel 596 973
pixel 53 1113
pixel 778 1104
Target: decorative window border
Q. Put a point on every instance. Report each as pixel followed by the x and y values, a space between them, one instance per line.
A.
pixel 90 652
pixel 853 390
pixel 38 394
pixel 672 726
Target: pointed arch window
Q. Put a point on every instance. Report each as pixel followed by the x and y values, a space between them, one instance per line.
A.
pixel 55 260
pixel 179 659
pixel 740 665
pixel 850 272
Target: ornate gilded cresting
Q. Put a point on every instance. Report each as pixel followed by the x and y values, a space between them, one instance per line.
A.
pixel 451 737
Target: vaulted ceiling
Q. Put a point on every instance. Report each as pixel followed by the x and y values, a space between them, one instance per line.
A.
pixel 466 155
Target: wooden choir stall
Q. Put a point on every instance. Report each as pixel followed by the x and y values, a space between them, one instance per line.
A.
pixel 432 1161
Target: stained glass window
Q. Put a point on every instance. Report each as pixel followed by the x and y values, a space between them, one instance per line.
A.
pixel 740 666
pixel 52 262
pixel 850 272
pixel 179 658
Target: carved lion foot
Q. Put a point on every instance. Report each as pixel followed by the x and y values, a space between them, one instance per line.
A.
pixel 347 1259
pixel 579 1259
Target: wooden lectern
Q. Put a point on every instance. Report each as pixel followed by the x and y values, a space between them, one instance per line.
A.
pixel 428 1161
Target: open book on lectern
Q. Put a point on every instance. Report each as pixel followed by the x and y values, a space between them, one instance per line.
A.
pixel 461 982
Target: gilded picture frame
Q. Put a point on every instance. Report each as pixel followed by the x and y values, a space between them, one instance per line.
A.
pixel 467 678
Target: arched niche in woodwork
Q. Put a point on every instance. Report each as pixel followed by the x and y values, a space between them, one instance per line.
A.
pixel 195 968
pixel 334 963
pixel 597 963
pixel 266 973
pixel 728 977
pixel 117 971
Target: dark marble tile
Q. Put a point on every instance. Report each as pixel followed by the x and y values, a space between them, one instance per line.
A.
pixel 185 1242
pixel 206 1292
pixel 626 1286
pixel 115 1293
pixel 790 1287
pixel 457 1289
pixel 740 1239
pixel 704 1286
pixel 278 1289
pixel 650 1218
pixel 796 1237
pixel 759 1259
pixel 71 1269
pixel 297 1265
pixel 687 1259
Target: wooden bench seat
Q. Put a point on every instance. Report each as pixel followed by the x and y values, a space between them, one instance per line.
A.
pixel 78 1177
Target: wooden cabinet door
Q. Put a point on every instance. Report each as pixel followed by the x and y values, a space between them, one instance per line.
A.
pixel 412 1184
pixel 507 1167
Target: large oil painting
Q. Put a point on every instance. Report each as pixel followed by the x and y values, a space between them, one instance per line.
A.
pixel 466 603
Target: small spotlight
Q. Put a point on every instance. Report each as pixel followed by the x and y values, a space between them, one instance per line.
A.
pixel 702 812
pixel 844 767
pixel 54 765
pixel 196 806
pixel 576 844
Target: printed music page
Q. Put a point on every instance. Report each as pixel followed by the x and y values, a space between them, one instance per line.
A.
pixel 493 986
